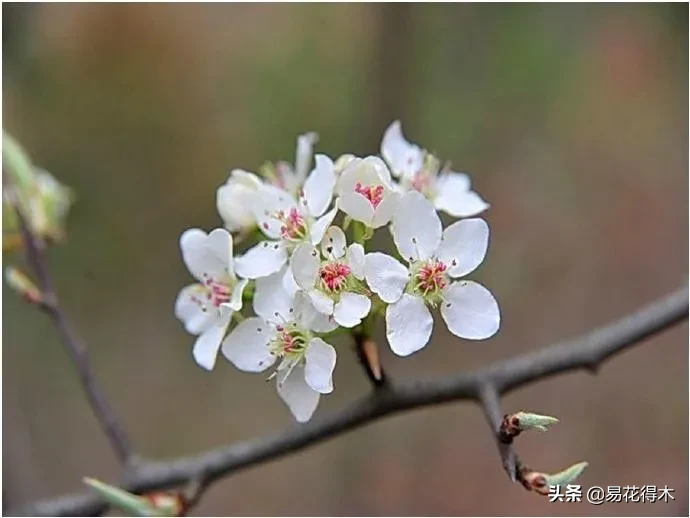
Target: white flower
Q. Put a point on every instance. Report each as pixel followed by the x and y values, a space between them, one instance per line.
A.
pixel 403 157
pixel 366 192
pixel 284 333
pixel 290 179
pixel 434 260
pixel 235 199
pixel 289 221
pixel 206 308
pixel 333 283
pixel 449 191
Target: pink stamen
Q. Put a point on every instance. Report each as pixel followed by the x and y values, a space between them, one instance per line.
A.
pixel 293 226
pixel 421 181
pixel 219 293
pixel 373 193
pixel 432 277
pixel 288 341
pixel 334 275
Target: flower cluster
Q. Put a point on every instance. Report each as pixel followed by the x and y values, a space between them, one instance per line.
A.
pixel 305 282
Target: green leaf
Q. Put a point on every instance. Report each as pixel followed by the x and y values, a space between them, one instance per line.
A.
pixel 566 476
pixel 121 499
pixel 529 421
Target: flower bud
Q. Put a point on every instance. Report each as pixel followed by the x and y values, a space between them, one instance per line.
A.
pixel 542 482
pixel 42 200
pixel 20 283
pixel 152 504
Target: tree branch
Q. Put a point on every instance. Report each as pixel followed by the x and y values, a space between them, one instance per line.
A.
pixel 502 377
pixel 489 400
pixel 75 348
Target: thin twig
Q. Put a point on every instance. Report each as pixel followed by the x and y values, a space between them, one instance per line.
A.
pixel 586 352
pixel 489 400
pixel 75 348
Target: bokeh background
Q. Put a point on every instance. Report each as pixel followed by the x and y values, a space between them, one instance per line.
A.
pixel 572 121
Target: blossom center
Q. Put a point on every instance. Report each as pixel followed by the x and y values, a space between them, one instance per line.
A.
pixel 293 225
pixel 213 291
pixel 334 276
pixel 373 193
pixel 422 181
pixel 429 279
pixel 290 341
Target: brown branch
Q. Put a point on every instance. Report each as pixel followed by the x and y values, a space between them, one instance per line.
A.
pixel 502 377
pixel 489 400
pixel 75 348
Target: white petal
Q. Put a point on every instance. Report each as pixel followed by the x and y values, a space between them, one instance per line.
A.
pixel 320 362
pixel 304 263
pixel 385 276
pixel 357 207
pixel 261 260
pixel 321 302
pixel 236 296
pixel 403 157
pixel 289 284
pixel 355 258
pixel 457 183
pixel 470 311
pixel 247 345
pixel 268 202
pixel 307 315
pixel 191 240
pixel 305 149
pixel 285 177
pixel 234 199
pixel 320 322
pixel 318 189
pixel 270 298
pixel 416 227
pixel 319 227
pixel 207 254
pixel 382 171
pixel 460 205
pixel 297 394
pixel 351 309
pixel 207 344
pixel 386 209
pixel 408 325
pixel 463 246
pixel 190 311
pixel 333 243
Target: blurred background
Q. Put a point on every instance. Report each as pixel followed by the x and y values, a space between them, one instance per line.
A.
pixel 572 121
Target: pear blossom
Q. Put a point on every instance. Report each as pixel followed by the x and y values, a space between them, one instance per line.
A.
pixel 235 198
pixel 435 259
pixel 333 279
pixel 286 177
pixel 284 332
pixel 366 192
pixel 419 170
pixel 206 307
pixel 288 221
